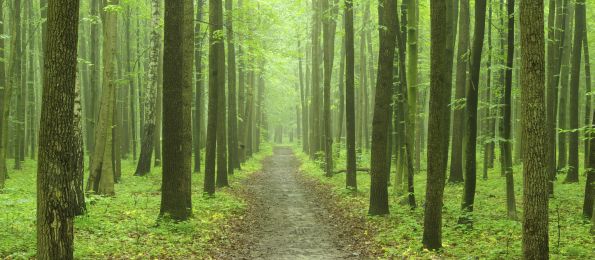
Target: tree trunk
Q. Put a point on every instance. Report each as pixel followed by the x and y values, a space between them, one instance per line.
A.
pixel 590 183
pixel 439 118
pixel 4 104
pixel 198 90
pixel 216 82
pixel 101 177
pixel 573 111
pixel 564 75
pixel 458 125
pixel 588 100
pixel 535 185
pixel 329 27
pixel 148 138
pixel 472 93
pixel 57 168
pixel 506 129
pixel 379 186
pixel 233 160
pixel 351 178
pixel 315 135
pixel 176 196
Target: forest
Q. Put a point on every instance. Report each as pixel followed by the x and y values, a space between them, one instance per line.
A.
pixel 297 129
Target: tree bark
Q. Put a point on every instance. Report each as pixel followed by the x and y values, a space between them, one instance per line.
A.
pixel 176 191
pixel 535 185
pixel 439 122
pixel 233 160
pixel 472 94
pixel 379 186
pixel 57 164
pixel 144 163
pixel 351 178
pixel 216 81
pixel 458 126
pixel 573 111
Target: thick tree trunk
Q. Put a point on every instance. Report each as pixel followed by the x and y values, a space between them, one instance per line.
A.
pixel 57 166
pixel 535 186
pixel 439 121
pixel 379 186
pixel 176 191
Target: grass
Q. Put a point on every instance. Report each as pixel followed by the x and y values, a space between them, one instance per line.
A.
pixel 123 226
pixel 493 236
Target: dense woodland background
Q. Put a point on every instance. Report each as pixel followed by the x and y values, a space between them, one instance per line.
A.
pixel 461 123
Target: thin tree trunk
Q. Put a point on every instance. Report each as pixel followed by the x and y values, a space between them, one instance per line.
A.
pixel 472 92
pixel 351 178
pixel 148 138
pixel 573 111
pixel 198 115
pixel 458 126
pixel 233 160
pixel 506 136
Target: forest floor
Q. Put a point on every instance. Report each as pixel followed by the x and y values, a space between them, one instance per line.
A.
pixel 289 219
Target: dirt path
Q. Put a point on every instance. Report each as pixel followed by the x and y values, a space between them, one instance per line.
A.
pixel 287 221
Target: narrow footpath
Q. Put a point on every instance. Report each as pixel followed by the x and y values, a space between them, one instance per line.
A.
pixel 287 220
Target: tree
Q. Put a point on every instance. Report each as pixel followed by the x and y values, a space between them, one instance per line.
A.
pixel 590 183
pixel 438 118
pixel 329 27
pixel 575 73
pixel 216 81
pixel 458 125
pixel 378 165
pixel 471 105
pixel 506 127
pixel 144 163
pixel 4 105
pixel 535 187
pixel 351 179
pixel 315 125
pixel 233 160
pixel 57 140
pixel 176 195
pixel 199 92
pixel 102 171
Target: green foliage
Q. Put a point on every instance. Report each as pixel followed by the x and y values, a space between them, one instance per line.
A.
pixel 124 226
pixel 493 235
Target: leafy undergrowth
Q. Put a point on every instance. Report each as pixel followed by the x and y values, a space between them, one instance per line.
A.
pixel 124 226
pixel 493 236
